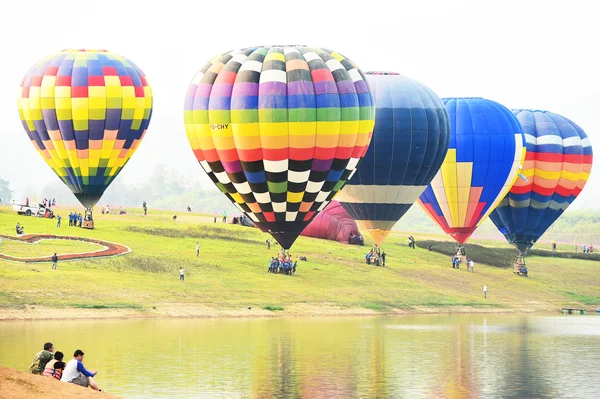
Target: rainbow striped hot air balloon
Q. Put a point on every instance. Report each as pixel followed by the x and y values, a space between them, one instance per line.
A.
pixel 409 144
pixel 486 150
pixel 85 111
pixel 557 166
pixel 279 130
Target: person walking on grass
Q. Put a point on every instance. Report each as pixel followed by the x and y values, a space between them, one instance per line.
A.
pixel 42 358
pixel 181 274
pixel 215 217
pixel 268 244
pixel 485 291
pixel 145 208
pixel 54 261
pixel 197 249
pixel 224 216
pixel 76 373
pixel 58 219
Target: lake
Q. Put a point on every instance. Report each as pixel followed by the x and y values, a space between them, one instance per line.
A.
pixel 424 356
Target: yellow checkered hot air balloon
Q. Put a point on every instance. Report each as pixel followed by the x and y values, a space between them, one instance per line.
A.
pixel 85 111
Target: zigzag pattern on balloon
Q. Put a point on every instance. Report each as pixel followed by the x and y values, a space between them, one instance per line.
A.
pixel 279 130
pixel 486 150
pixel 86 112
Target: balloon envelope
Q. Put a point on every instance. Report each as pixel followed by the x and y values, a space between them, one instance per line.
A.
pixel 85 111
pixel 279 130
pixel 410 140
pixel 333 223
pixel 557 166
pixel 486 149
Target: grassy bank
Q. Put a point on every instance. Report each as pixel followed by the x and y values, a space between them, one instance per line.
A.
pixel 230 275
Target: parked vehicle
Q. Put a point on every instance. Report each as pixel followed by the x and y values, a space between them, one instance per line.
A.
pixel 39 210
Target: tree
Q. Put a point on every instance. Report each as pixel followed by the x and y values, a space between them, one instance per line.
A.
pixel 5 191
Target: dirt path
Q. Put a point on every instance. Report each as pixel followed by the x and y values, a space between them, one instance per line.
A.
pixel 192 310
pixel 19 385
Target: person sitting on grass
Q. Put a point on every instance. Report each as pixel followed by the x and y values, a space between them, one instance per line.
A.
pixel 76 373
pixel 368 257
pixel 20 229
pixel 523 270
pixel 54 368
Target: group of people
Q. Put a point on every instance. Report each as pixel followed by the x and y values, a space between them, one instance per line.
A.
pixel 224 217
pixel 283 264
pixel 75 219
pixel 47 203
pixel 376 256
pixel 48 363
pixel 586 249
pixel 456 259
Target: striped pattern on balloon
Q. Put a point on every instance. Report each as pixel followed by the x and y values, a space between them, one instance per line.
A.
pixel 279 130
pixel 409 143
pixel 85 111
pixel 557 166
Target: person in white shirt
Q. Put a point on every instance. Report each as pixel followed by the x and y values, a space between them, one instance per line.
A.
pixel 197 249
pixel 76 373
pixel 181 274
pixel 485 291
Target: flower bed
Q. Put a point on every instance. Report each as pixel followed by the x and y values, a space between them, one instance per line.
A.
pixel 110 249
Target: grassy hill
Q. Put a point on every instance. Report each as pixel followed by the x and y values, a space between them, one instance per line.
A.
pixel 230 274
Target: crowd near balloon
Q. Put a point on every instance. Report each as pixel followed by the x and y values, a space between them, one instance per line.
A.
pixel 283 130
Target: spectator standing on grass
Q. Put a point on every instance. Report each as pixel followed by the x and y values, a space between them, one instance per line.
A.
pixel 224 216
pixel 42 358
pixel 197 249
pixel 145 208
pixel 58 219
pixel 54 261
pixel 268 244
pixel 215 217
pixel 485 291
pixel 181 274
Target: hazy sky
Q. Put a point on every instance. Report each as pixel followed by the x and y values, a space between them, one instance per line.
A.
pixel 523 54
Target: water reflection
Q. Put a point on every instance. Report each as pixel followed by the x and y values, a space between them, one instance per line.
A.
pixel 397 357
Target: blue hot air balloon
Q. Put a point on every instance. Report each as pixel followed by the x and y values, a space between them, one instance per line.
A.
pixel 557 166
pixel 409 143
pixel 486 150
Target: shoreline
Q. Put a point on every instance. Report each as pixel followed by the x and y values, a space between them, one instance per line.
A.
pixel 197 311
pixel 24 385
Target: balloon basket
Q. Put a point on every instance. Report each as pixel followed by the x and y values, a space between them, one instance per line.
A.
pixel 88 220
pixel 87 224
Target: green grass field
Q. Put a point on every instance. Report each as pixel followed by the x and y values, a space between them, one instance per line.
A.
pixel 231 272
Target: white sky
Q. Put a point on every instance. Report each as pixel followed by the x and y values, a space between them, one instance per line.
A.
pixel 523 54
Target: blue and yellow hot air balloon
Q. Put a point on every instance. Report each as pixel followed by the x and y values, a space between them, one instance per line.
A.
pixel 410 141
pixel 486 151
pixel 85 111
pixel 557 166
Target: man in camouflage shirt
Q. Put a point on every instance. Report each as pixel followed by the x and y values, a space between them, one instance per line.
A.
pixel 39 361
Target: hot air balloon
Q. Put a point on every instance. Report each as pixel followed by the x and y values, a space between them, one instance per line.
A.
pixel 557 166
pixel 85 111
pixel 279 130
pixel 486 149
pixel 409 144
pixel 335 224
